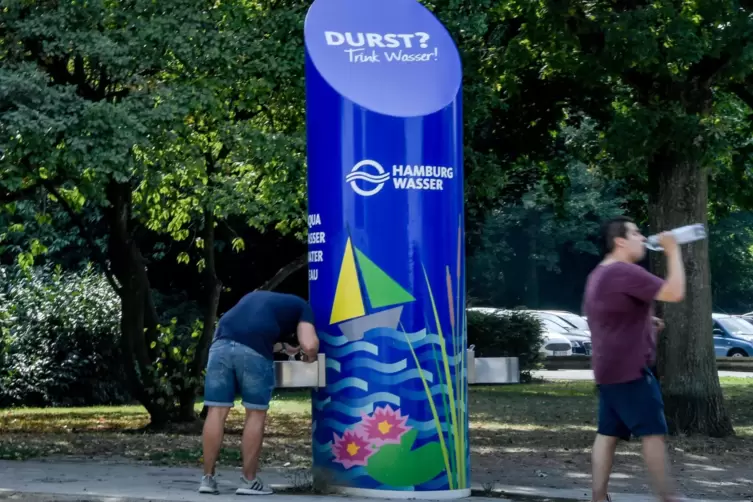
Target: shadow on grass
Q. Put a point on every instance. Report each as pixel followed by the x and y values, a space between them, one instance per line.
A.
pixel 540 416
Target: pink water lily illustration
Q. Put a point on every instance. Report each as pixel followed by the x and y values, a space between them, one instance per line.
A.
pixel 351 449
pixel 384 426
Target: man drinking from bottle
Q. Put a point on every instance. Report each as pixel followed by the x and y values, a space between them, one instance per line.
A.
pixel 618 302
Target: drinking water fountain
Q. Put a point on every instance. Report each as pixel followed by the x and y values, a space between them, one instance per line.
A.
pixel 481 370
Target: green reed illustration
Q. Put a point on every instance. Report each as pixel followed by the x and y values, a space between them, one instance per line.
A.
pixel 445 405
pixel 460 349
pixel 454 426
pixel 434 414
pixel 455 410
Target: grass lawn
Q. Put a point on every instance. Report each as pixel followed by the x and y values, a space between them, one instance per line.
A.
pixel 534 428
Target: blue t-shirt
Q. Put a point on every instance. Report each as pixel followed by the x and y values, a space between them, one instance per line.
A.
pixel 262 318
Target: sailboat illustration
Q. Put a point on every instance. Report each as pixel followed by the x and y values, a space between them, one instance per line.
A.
pixel 349 309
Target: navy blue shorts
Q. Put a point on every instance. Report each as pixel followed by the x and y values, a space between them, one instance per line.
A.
pixel 634 407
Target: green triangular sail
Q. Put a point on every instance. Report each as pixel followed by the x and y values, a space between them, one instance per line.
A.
pixel 381 289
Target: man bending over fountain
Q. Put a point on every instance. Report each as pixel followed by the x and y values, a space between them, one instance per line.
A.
pixel 241 362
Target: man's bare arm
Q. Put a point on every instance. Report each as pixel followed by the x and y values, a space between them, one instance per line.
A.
pixel 308 340
pixel 673 290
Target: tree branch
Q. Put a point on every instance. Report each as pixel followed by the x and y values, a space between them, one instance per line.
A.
pixel 283 273
pixel 708 67
pixel 7 196
pixel 76 218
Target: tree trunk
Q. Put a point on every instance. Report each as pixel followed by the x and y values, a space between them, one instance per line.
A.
pixel 136 334
pixel 693 398
pixel 212 289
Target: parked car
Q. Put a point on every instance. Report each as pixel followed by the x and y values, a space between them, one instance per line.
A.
pixel 748 317
pixel 577 321
pixel 733 336
pixel 580 339
pixel 555 344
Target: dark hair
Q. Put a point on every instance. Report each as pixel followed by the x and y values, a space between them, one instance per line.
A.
pixel 613 229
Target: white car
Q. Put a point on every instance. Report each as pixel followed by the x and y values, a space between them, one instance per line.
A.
pixel 554 343
pixel 576 320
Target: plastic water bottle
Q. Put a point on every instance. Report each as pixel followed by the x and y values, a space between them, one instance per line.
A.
pixel 683 235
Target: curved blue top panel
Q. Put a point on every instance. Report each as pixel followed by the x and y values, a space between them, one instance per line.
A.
pixel 389 56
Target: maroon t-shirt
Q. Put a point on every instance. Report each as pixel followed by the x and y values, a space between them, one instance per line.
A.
pixel 618 303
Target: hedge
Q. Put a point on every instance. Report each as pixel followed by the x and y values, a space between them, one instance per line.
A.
pixel 507 334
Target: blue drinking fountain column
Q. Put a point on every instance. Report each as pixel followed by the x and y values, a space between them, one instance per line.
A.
pixel 386 252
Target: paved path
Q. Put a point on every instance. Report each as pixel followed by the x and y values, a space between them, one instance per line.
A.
pixel 98 481
pixel 588 374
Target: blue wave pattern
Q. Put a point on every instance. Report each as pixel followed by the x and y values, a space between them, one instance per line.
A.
pixel 377 371
pixel 349 383
pixel 333 364
pixel 360 346
pixel 334 341
pixel 377 365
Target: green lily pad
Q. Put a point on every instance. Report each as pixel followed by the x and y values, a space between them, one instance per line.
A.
pixel 398 465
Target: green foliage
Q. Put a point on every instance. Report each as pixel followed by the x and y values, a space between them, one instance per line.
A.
pixel 60 339
pixel 174 355
pixel 5 325
pixel 175 347
pixel 538 233
pixel 660 59
pixel 197 108
pixel 136 119
pixel 507 334
pixel 731 252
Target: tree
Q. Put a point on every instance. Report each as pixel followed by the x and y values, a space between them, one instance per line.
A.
pixel 511 115
pixel 526 244
pixel 664 62
pixel 149 118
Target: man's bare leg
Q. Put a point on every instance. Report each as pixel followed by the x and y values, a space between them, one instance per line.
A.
pixel 253 434
pixel 214 431
pixel 655 456
pixel 602 457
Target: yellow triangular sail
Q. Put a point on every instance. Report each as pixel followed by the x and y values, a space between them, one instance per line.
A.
pixel 348 302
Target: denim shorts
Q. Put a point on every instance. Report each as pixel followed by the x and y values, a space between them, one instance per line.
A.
pixel 234 368
pixel 632 408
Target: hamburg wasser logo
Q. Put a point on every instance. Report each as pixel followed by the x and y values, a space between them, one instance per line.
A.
pixel 361 172
pixel 368 177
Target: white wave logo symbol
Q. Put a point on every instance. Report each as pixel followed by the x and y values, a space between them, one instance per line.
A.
pixel 378 180
pixel 367 177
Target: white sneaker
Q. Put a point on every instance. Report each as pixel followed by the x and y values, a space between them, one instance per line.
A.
pixel 208 485
pixel 254 487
